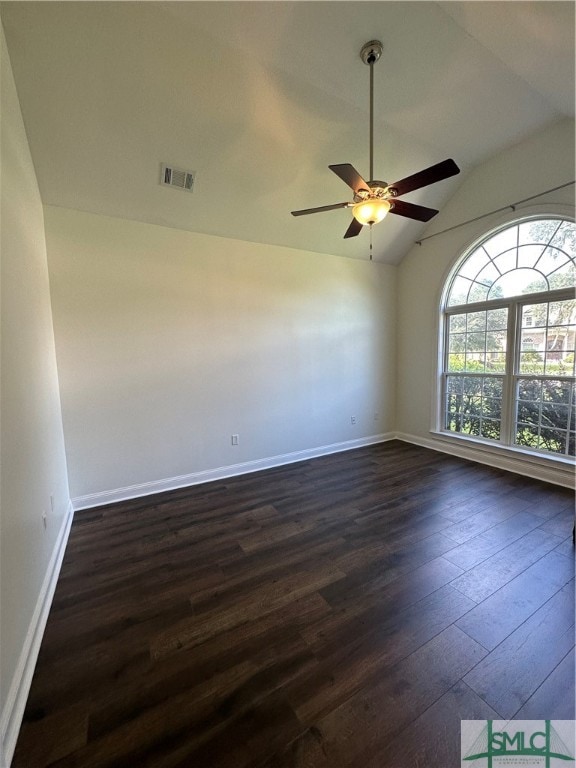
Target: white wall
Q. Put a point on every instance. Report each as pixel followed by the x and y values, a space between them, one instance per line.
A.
pixel 168 342
pixel 542 162
pixel 32 456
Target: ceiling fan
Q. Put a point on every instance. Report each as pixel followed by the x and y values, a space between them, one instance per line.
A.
pixel 374 199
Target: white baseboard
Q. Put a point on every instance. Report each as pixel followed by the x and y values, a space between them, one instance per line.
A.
pixel 220 473
pixel 522 465
pixel 13 711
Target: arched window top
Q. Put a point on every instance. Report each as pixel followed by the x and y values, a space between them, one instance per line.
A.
pixel 530 256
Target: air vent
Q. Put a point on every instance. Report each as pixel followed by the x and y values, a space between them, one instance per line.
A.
pixel 177 178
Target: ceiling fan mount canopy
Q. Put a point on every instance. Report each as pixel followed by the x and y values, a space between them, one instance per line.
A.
pixel 371 52
pixel 374 199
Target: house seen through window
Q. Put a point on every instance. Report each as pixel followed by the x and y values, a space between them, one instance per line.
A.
pixel 509 314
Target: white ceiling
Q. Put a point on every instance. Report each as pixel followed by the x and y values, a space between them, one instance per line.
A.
pixel 259 97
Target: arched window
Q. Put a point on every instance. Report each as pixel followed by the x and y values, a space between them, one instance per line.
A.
pixel 509 339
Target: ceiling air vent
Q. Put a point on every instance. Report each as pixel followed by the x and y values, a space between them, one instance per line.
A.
pixel 175 177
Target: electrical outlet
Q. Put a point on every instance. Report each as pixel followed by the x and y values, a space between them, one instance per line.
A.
pixel 235 439
pixel 352 419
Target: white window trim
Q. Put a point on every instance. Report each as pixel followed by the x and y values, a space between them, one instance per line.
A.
pixel 559 467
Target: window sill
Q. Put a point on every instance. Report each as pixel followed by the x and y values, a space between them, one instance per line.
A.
pixel 556 469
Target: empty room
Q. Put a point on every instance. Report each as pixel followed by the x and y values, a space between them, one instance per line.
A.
pixel 288 391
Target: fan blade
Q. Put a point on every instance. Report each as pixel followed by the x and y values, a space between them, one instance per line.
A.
pixel 354 229
pixel 306 211
pixel 431 175
pixel 350 176
pixel 411 211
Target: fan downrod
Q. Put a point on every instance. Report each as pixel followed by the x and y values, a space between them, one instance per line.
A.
pixel 378 193
pixel 371 52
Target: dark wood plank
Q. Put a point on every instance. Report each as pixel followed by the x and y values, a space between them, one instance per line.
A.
pixel 433 739
pixel 353 655
pixel 383 581
pixel 307 616
pixel 501 613
pixel 271 640
pixel 239 610
pixel 379 712
pixel 483 521
pixel 53 737
pixel 515 669
pixel 566 547
pixel 561 524
pixel 493 540
pixel 554 699
pixel 306 751
pixel 486 578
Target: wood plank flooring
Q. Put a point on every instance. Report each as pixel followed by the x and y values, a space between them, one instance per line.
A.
pixel 343 612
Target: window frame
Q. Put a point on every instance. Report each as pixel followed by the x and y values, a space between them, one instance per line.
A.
pixel 511 374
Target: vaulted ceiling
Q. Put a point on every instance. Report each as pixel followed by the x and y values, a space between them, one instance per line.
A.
pixel 258 98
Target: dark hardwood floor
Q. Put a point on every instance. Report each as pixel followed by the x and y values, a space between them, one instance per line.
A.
pixel 344 611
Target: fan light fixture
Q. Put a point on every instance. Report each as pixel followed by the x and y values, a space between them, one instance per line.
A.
pixel 374 199
pixel 371 211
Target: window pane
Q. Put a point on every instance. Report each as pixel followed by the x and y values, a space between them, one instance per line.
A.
pixel 474 263
pixel 495 342
pixel 529 389
pixel 539 231
pixel 535 315
pixel 471 425
pixel 475 342
pixel 474 405
pixel 565 238
pixel 506 262
pixel 488 275
pixel 553 440
pixel 556 391
pixel 528 255
pixel 492 387
pixel 528 342
pixel 502 241
pixel 475 363
pixel 551 260
pixel 496 362
pixel 562 312
pixel 527 436
pixel 457 342
pixel 565 277
pixel 478 292
pixel 518 282
pixel 531 361
pixel 496 351
pixel 490 429
pixel 497 319
pixel 456 362
pixel 543 414
pixel 567 366
pixel 457 323
pixel 476 321
pixel 459 292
